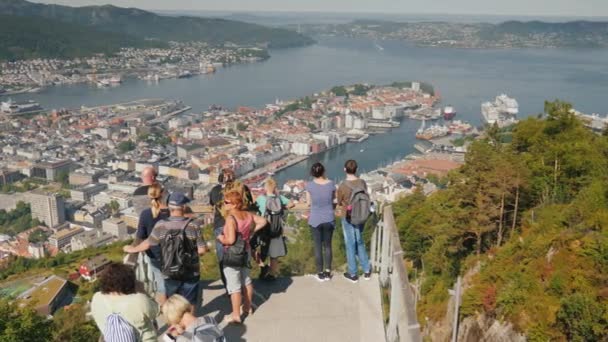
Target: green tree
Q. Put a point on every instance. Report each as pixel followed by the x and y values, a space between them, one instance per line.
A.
pixel 126 146
pixel 71 324
pixel 114 207
pixel 583 318
pixel 22 324
pixel 339 91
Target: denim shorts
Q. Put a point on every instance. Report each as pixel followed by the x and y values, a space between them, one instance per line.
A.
pixel 236 277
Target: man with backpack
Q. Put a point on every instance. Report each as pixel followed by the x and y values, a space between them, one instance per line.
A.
pixel 272 206
pixel 181 242
pixel 355 204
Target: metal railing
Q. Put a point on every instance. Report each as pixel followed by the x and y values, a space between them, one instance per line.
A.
pixel 387 260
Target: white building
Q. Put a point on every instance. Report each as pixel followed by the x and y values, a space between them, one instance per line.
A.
pixel 301 148
pixel 115 227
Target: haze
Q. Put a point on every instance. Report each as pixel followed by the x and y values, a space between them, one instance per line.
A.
pixel 568 8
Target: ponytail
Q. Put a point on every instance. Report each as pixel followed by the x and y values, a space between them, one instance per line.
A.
pixel 155 192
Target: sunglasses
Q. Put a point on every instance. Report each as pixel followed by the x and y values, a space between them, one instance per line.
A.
pixel 226 202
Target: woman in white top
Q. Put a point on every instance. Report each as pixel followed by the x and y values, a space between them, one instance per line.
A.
pixel 118 295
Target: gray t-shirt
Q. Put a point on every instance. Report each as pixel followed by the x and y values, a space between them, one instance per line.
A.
pixel 189 332
pixel 322 202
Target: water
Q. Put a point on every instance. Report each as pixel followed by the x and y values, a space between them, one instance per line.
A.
pixel 463 77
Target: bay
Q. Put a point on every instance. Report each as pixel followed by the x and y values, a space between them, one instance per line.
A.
pixel 463 77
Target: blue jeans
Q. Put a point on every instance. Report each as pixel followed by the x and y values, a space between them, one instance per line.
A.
pixel 188 289
pixel 219 251
pixel 355 247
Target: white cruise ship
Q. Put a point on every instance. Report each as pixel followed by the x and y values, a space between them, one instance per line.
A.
pixel 503 111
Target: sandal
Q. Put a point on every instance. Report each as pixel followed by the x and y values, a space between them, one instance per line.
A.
pixel 231 320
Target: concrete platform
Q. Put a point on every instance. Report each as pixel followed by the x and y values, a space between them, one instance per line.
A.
pixel 304 309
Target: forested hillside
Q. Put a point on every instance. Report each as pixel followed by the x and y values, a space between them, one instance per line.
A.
pixel 37 37
pixel 533 215
pixel 148 25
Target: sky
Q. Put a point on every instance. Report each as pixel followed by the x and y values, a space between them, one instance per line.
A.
pixel 567 8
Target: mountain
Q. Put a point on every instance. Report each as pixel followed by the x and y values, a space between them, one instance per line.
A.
pixel 35 37
pixel 144 24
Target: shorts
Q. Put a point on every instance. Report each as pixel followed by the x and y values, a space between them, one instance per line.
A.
pixel 236 277
pixel 276 248
pixel 188 289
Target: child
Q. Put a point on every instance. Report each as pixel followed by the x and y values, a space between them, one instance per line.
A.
pixel 184 325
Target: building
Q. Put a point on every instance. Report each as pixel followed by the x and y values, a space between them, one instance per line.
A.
pixel 115 227
pixel 185 151
pixel 300 148
pixel 105 198
pixel 50 170
pixel 416 86
pixel 47 207
pixel 63 237
pixel 47 296
pixel 10 176
pixel 35 250
pixel 85 193
pixel 91 268
pixel 95 238
pixel 83 177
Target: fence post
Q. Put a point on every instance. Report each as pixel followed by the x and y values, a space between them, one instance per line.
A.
pixel 372 250
pixel 456 293
pixel 385 259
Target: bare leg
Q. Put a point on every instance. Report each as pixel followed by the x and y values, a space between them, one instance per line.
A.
pixel 274 266
pixel 235 299
pixel 248 299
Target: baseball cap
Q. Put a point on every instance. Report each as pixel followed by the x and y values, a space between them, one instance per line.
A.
pixel 178 198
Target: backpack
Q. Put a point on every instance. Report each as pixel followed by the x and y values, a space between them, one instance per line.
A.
pixel 274 215
pixel 118 329
pixel 179 255
pixel 359 203
pixel 208 331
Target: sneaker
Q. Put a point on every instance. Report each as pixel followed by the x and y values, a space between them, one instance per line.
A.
pixel 327 275
pixel 351 278
pixel 367 276
pixel 320 277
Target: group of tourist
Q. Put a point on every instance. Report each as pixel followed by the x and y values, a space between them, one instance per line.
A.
pixel 245 231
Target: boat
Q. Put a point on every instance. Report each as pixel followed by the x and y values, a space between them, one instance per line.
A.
pixel 184 74
pixel 380 48
pixel 115 79
pixel 459 127
pixel 449 112
pixel 11 107
pixel 435 131
pixel 103 83
pixel 503 111
pixel 362 150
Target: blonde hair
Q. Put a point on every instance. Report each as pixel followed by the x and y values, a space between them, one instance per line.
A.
pixel 175 308
pixel 270 185
pixel 155 192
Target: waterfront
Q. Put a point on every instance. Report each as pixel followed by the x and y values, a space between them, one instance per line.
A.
pixel 464 78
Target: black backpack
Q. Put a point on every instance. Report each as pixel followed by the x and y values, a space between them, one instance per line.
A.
pixel 179 255
pixel 236 255
pixel 275 216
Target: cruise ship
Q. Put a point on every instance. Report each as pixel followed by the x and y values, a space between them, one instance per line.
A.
pixel 10 107
pixel 503 111
pixel 449 113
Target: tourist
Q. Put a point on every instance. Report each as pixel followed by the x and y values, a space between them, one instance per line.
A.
pixel 140 195
pixel 185 280
pixel 273 247
pixel 226 181
pixel 118 295
pixel 240 224
pixel 147 220
pixel 320 195
pixel 148 177
pixel 179 314
pixel 352 227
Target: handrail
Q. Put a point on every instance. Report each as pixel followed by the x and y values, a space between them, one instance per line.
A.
pixel 387 260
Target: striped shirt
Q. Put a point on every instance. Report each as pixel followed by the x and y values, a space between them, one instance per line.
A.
pixel 162 228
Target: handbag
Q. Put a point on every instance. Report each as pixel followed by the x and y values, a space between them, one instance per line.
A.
pixel 236 254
